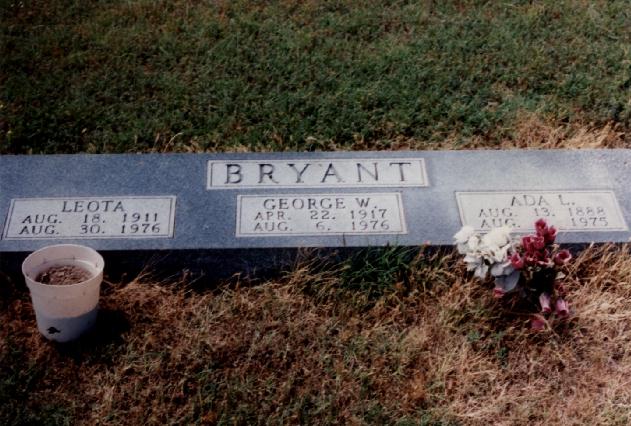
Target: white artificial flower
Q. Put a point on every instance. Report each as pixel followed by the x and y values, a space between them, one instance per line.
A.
pixel 464 234
pixel 473 242
pixel 490 251
pixel 463 238
pixel 481 271
pixel 500 253
pixel 485 254
pixel 497 237
pixel 471 258
pixel 502 268
pixel 471 245
pixel 476 263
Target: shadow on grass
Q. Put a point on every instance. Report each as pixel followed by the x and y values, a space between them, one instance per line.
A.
pixel 96 345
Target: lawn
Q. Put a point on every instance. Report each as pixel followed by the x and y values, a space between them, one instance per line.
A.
pixel 389 336
pixel 139 76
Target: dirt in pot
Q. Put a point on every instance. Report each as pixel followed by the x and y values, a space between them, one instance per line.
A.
pixel 63 275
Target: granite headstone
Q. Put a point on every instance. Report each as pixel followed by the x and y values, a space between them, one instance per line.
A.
pixel 216 210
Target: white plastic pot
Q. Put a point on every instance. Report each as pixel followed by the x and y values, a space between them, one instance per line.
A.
pixel 64 312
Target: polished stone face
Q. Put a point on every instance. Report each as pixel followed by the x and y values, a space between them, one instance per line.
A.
pixel 333 199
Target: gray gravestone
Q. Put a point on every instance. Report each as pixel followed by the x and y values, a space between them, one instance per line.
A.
pixel 220 208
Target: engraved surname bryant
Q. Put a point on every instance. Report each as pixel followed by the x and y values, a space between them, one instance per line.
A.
pixel 391 172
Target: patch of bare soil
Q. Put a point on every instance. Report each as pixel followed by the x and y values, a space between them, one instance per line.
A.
pixel 63 275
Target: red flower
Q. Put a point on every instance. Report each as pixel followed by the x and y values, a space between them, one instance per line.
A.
pixel 537 323
pixel 538 242
pixel 541 227
pixel 562 308
pixel 498 293
pixel 531 259
pixel 559 288
pixel 517 261
pixel 526 242
pixel 544 259
pixel 544 301
pixel 550 235
pixel 562 257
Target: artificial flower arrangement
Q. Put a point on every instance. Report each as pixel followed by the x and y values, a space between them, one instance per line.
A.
pixel 531 267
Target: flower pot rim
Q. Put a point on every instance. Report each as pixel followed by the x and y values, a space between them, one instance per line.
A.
pixel 64 261
pixel 92 276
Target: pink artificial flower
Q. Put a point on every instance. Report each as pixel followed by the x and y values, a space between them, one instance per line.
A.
pixel 517 261
pixel 562 308
pixel 537 323
pixel 544 301
pixel 538 242
pixel 543 259
pixel 550 235
pixel 559 288
pixel 530 259
pixel 526 242
pixel 562 257
pixel 541 227
pixel 498 292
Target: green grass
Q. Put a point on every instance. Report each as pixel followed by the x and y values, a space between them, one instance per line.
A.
pixel 114 76
pixel 373 272
pixel 17 382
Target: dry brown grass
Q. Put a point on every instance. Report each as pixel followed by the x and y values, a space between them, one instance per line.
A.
pixel 531 131
pixel 435 349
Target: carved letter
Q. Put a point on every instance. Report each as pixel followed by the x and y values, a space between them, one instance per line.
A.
pixel 298 173
pixel 563 203
pixel 119 207
pixel 362 202
pixel 330 171
pixel 401 164
pixel 360 166
pixel 266 170
pixel 232 170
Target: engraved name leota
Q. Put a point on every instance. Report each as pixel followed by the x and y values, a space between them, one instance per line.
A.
pixel 91 217
pixel 389 172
